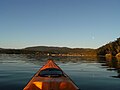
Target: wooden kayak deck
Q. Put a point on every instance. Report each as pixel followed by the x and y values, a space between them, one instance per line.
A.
pixel 62 82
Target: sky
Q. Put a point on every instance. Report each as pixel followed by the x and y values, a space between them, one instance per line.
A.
pixel 62 23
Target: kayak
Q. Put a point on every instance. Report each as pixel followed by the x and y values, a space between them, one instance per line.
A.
pixel 51 77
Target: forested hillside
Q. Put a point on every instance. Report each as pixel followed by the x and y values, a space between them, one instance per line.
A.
pixel 44 50
pixel 64 50
pixel 110 48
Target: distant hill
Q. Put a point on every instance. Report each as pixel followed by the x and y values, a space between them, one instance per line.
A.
pixel 44 50
pixel 49 49
pixel 110 48
pixel 64 50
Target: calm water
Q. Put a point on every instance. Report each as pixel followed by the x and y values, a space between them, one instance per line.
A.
pixel 17 70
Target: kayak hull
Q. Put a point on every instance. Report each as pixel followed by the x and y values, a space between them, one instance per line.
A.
pixel 51 83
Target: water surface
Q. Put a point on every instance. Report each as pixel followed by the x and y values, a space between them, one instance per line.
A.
pixel 17 70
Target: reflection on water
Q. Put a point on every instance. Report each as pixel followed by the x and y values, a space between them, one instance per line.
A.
pixel 88 73
pixel 114 64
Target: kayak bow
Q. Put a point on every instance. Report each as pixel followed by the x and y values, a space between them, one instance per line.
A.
pixel 51 77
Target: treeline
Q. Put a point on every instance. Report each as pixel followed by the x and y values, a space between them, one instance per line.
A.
pixel 14 51
pixel 44 50
pixel 83 51
pixel 112 48
pixel 54 50
pixel 64 50
pixel 19 51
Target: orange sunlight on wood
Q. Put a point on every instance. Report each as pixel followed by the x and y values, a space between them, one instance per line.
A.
pixel 38 84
